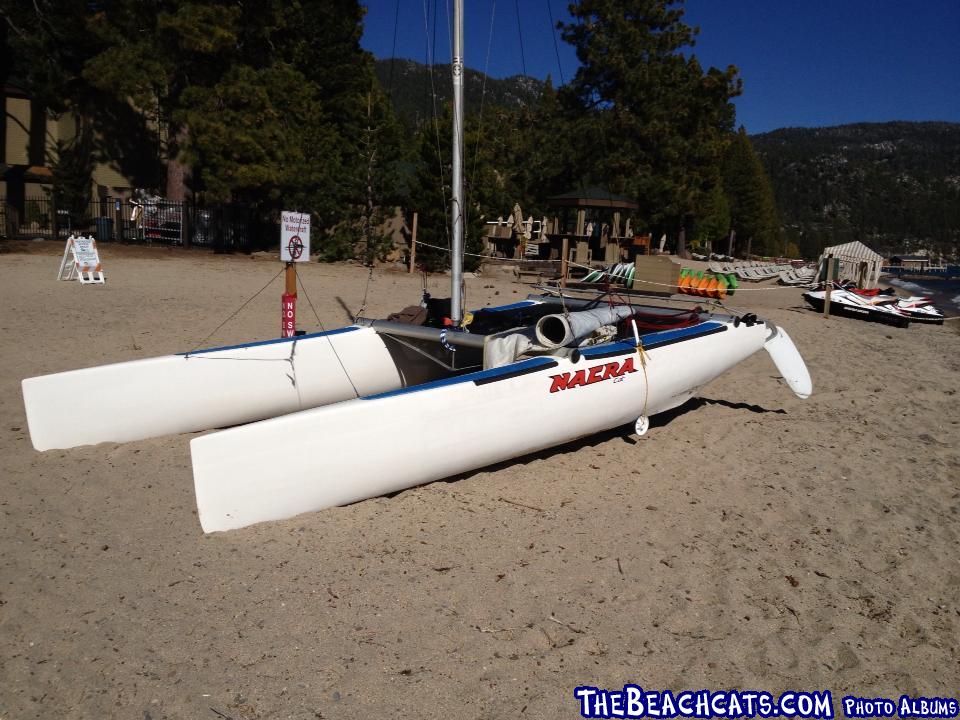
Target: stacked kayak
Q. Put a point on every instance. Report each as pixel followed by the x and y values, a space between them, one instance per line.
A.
pixel 706 284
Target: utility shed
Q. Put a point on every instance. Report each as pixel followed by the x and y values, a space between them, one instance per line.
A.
pixel 856 261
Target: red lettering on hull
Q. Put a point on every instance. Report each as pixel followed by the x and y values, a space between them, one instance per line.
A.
pixel 588 376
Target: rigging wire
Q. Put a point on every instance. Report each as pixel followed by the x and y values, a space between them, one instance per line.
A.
pixel 556 46
pixel 237 311
pixel 523 60
pixel 366 290
pixel 393 51
pixel 483 95
pixel 323 329
pixel 431 56
pixel 476 155
pixel 371 148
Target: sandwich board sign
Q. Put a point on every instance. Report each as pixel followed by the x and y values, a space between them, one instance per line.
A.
pixel 81 261
pixel 294 237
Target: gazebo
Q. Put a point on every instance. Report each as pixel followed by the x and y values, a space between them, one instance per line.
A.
pixel 597 236
pixel 856 262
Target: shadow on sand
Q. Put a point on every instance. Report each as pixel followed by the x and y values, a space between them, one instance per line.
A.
pixel 625 433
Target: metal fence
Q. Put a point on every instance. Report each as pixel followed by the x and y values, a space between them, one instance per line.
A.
pixel 231 227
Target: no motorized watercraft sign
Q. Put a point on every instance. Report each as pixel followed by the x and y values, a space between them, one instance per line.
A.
pixel 294 237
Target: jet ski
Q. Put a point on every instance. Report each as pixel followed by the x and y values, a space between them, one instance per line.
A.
pixel 848 303
pixel 918 308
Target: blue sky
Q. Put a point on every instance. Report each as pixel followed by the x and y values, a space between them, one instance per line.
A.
pixel 803 64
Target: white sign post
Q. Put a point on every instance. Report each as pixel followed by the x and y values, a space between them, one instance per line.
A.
pixel 85 263
pixel 294 237
pixel 294 248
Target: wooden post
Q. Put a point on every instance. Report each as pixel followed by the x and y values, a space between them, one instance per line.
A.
pixel 828 282
pixel 413 244
pixel 564 255
pixel 291 279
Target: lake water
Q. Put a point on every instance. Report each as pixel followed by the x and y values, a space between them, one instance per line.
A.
pixel 944 293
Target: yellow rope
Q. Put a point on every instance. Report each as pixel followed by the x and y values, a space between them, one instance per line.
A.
pixel 643 364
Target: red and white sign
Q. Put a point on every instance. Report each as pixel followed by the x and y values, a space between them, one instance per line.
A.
pixel 294 237
pixel 288 314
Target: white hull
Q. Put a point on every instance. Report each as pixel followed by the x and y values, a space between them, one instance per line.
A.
pixel 362 448
pixel 205 389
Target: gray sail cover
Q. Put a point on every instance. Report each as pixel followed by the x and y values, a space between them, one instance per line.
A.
pixel 552 334
pixel 555 331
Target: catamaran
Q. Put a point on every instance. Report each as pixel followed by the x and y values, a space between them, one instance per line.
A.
pixel 325 419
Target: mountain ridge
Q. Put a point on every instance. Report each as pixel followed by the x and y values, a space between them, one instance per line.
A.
pixel 409 86
pixel 893 185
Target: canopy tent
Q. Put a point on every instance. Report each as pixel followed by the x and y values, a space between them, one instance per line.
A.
pixel 593 197
pixel 855 261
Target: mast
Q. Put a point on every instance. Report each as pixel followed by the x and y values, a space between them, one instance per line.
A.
pixel 456 250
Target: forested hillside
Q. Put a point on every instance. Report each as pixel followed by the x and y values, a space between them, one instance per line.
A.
pixel 895 186
pixel 410 85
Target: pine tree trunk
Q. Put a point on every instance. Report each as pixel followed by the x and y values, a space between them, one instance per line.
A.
pixel 177 172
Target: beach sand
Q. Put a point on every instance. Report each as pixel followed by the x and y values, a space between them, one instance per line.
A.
pixel 749 540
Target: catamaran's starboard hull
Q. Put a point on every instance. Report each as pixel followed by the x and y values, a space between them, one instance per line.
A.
pixel 205 389
pixel 362 448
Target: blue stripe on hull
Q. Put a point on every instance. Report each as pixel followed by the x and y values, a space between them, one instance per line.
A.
pixel 502 308
pixel 650 341
pixel 338 331
pixel 520 368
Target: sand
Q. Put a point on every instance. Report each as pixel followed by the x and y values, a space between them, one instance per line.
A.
pixel 749 540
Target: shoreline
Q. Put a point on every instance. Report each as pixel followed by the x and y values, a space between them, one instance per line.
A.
pixel 945 294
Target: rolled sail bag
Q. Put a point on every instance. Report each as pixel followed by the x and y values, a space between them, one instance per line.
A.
pixel 554 331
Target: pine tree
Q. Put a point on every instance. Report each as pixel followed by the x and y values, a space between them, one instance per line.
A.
pixel 714 218
pixel 753 208
pixel 649 122
pixel 267 100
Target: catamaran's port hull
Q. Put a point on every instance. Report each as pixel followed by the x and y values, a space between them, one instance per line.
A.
pixel 206 389
pixel 226 386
